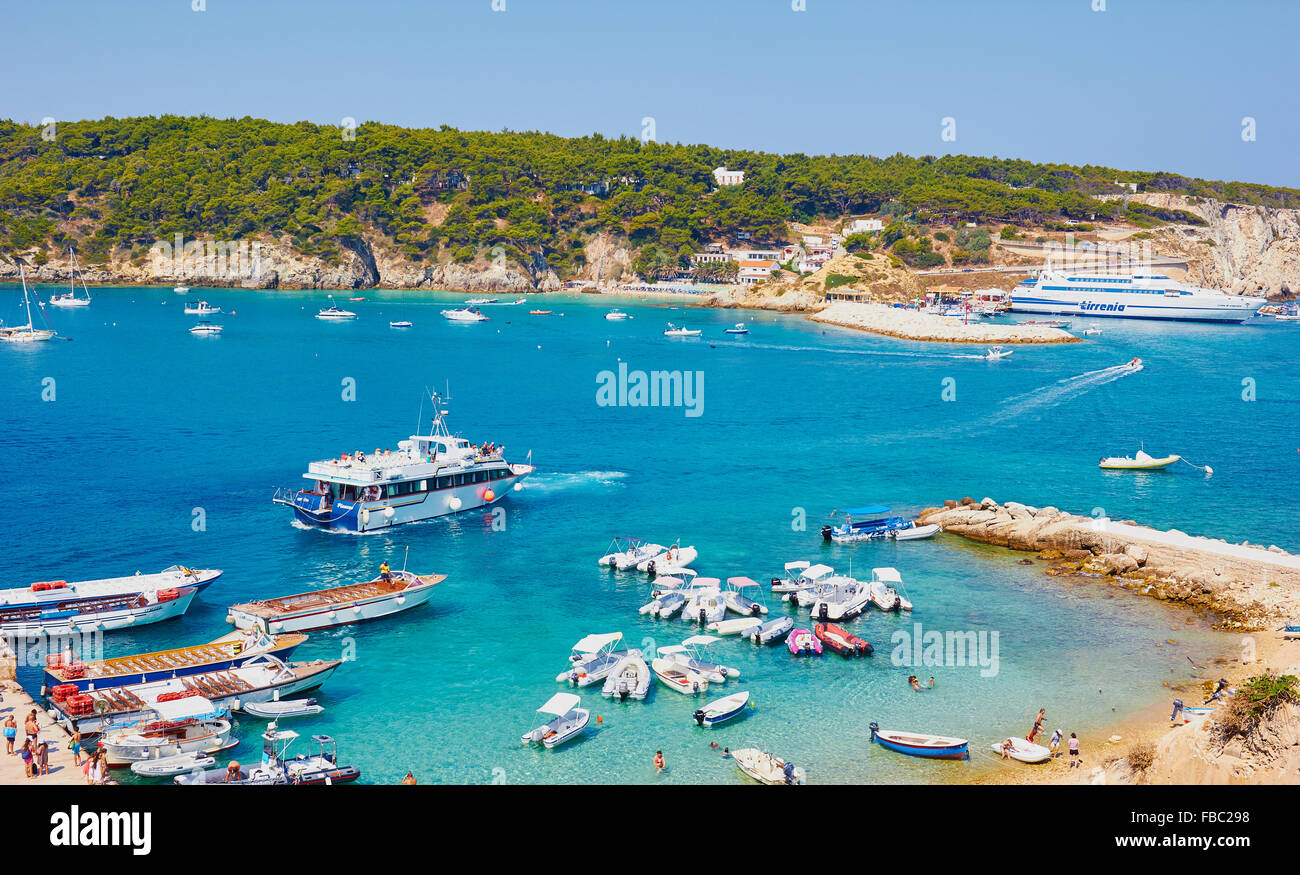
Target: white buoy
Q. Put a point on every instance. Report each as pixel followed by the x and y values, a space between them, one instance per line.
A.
pixel 401 599
pixel 389 512
pixel 454 503
pixel 518 487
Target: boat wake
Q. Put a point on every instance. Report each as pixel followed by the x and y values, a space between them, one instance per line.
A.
pixel 1060 392
pixel 557 481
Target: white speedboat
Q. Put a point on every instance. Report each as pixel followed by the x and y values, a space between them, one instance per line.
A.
pixel 630 678
pixel 799 576
pixel 1091 332
pixel 738 626
pixel 677 677
pixel 843 599
pixel 766 768
pixel 568 721
pixel 333 313
pixel 181 290
pixel 593 658
pixel 744 596
pixel 1139 462
pixel 169 766
pixel 200 308
pixel 673 557
pixel 885 583
pixel 626 552
pixel 664 605
pixel 738 328
pixel 474 302
pixel 705 604
pixel 674 331
pixel 26 333
pixel 464 314
pixel 771 632
pixel 277 709
pixel 916 533
pixel 206 327
pixel 722 710
pixel 157 739
pixel 1022 750
pixel 319 766
pixel 693 654
pixel 401 324
pixel 616 315
pixel 70 299
pixel 993 353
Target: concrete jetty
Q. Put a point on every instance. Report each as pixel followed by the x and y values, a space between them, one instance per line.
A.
pixel 1249 586
pixel 19 704
pixel 915 325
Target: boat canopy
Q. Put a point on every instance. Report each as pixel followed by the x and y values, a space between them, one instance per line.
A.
pixel 867 510
pixel 182 709
pixel 560 704
pixel 672 648
pixel 702 640
pixel 741 582
pixel 796 566
pixel 706 582
pixel 816 572
pixel 596 643
pixel 667 582
pixel 886 575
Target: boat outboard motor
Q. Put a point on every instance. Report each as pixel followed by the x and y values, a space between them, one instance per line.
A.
pixel 825 612
pixel 788 771
pixel 755 609
pixel 826 533
pixel 703 617
pixel 650 569
pixel 874 727
pixel 699 716
pixel 776 581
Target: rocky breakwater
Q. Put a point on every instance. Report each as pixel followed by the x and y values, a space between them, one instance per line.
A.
pixel 1247 586
pixel 915 325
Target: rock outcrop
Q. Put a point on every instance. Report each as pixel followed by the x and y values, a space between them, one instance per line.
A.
pixel 1248 587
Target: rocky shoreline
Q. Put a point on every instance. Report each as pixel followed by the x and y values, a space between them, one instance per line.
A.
pixel 1248 587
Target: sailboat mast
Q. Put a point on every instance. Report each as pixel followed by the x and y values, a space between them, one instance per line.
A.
pixel 26 300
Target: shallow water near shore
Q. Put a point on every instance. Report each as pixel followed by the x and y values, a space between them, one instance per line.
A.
pixel 150 422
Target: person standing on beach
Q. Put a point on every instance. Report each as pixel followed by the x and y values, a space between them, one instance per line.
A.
pixel 11 732
pixel 43 758
pixel 1055 744
pixel 32 728
pixel 1178 710
pixel 26 753
pixel 1074 751
pixel 75 745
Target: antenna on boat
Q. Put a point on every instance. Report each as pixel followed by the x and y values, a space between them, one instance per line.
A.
pixel 406 556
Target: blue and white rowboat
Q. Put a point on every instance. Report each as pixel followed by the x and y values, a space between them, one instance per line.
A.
pixel 920 744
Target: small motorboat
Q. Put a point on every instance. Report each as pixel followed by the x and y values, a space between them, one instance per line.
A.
pixel 672 557
pixel 1091 332
pixel 739 328
pixel 842 641
pixel 800 576
pixel 356 299
pixel 1134 365
pixel 629 679
pixel 276 709
pixel 464 314
pixel 766 768
pixel 885 583
pixel 740 626
pixel 994 353
pixel 167 737
pixel 772 631
pixel 206 327
pixel 319 766
pixel 673 331
pixel 677 677
pixel 864 524
pixel 568 721
pixel 334 314
pixel 801 642
pixel 616 315
pixel 665 605
pixel 1022 750
pixel 473 302
pixel 401 324
pixel 705 604
pixel 916 533
pixel 721 710
pixel 743 596
pixel 840 598
pixel 200 308
pixel 692 654
pixel 626 552
pixel 181 290
pixel 174 765
pixel 593 658
pixel 919 744
pixel 1139 462
pixel 1050 323
pixel 539 312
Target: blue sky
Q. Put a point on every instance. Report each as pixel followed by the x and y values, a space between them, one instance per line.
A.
pixel 1141 85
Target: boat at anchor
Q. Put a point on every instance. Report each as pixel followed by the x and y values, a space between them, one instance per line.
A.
pixel 338 605
pixel 876 525
pixel 428 476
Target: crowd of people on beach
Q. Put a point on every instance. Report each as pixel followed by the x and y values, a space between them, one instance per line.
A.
pixel 34 752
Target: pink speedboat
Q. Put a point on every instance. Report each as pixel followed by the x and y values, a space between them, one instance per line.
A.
pixel 803 643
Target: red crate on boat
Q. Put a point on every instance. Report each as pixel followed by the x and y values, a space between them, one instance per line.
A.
pixel 79 704
pixel 168 595
pixel 74 670
pixel 62 691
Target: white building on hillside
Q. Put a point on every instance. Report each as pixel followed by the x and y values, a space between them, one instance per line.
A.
pixel 863 226
pixel 723 176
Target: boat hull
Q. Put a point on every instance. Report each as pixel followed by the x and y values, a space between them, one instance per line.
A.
pixel 366 516
pixel 1189 308
pixel 948 749
pixel 102 621
pixel 334 615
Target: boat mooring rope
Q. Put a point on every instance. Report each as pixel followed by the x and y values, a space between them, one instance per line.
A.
pixel 1206 468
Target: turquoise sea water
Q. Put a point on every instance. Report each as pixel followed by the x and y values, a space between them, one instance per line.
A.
pixel 149 423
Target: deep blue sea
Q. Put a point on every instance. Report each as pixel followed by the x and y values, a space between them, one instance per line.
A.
pixel 148 423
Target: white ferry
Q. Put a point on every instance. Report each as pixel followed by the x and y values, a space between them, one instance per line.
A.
pixel 1130 296
pixel 427 476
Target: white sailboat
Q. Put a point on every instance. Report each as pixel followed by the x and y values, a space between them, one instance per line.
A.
pixel 25 333
pixel 70 299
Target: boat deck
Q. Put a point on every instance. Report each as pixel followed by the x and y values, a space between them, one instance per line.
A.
pixel 172 660
pixel 337 596
pixel 395 464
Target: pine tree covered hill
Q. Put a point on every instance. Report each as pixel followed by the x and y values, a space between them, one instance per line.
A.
pixel 119 185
